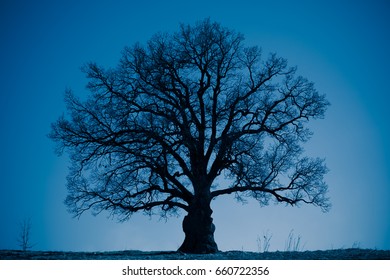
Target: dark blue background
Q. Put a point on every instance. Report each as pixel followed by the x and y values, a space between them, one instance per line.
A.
pixel 343 46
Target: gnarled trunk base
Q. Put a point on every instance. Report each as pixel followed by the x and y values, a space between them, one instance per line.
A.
pixel 199 232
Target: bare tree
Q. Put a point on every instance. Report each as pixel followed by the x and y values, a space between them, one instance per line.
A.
pixel 24 240
pixel 176 114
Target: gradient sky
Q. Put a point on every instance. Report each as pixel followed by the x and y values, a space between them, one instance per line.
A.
pixel 342 46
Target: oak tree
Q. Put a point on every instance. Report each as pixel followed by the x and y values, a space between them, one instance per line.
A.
pixel 176 114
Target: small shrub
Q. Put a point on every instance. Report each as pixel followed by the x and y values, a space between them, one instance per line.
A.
pixel 264 242
pixel 293 243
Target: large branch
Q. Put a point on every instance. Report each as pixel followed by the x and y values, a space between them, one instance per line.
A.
pixel 306 184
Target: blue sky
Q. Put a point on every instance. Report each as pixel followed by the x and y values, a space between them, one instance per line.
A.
pixel 342 46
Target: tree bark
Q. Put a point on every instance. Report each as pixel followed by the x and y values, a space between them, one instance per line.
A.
pixel 199 228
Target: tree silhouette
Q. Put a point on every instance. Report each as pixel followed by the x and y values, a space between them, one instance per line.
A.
pixel 24 239
pixel 176 114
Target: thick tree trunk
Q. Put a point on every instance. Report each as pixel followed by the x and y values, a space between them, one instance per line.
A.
pixel 199 229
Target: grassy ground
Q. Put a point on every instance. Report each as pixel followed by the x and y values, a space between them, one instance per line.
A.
pixel 341 254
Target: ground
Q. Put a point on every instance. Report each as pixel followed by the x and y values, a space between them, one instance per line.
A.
pixel 341 254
